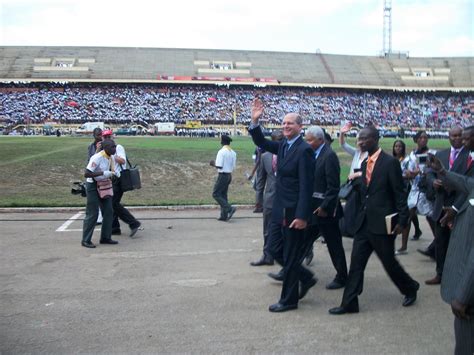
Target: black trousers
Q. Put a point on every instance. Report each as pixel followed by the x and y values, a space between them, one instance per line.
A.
pixel 286 245
pixel 119 210
pixel 333 237
pixel 384 246
pixel 442 236
pixel 221 187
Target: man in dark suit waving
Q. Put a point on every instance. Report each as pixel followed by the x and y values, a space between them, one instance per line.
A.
pixel 382 193
pixel 326 207
pixel 291 205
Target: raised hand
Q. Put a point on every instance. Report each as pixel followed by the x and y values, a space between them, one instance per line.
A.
pixel 256 110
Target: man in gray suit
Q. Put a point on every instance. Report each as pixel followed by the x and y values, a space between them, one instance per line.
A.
pixel 457 284
pixel 266 184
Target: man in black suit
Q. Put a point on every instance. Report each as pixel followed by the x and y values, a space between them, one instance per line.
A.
pixel 291 205
pixel 447 200
pixel 325 204
pixel 382 193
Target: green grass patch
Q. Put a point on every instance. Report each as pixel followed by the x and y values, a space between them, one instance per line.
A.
pixel 38 171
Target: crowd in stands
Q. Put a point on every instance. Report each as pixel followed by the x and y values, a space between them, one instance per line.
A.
pixel 217 105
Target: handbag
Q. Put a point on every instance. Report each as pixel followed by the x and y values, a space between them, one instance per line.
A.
pixel 130 178
pixel 345 190
pixel 104 188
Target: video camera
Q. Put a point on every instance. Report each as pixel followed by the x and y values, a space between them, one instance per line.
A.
pixel 79 188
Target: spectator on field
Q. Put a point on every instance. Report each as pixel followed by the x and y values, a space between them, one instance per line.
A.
pixel 350 208
pixel 100 169
pixel 399 153
pixel 95 147
pixel 120 161
pixel 225 164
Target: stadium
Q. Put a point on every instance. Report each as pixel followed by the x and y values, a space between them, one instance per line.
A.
pixel 185 285
pixel 196 88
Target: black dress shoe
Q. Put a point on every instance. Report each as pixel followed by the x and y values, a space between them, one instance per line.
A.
pixel 222 219
pixel 335 284
pixel 231 213
pixel 343 310
pixel 88 244
pixel 262 261
pixel 278 307
pixel 134 230
pixel 411 298
pixel 426 252
pixel 108 241
pixel 278 276
pixel 306 286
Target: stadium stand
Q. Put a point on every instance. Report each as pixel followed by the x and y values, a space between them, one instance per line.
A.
pixel 146 85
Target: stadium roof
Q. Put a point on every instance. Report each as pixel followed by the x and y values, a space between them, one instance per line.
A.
pixel 165 65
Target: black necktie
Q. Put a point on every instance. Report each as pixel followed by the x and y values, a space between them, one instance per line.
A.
pixel 285 148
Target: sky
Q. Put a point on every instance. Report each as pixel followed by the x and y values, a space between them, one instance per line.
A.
pixel 424 28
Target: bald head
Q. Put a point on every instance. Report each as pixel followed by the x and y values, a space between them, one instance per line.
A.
pixel 455 137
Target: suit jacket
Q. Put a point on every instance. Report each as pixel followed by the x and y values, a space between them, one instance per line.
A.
pixel 266 179
pixel 294 176
pixel 327 173
pixel 445 196
pixel 458 273
pixel 384 195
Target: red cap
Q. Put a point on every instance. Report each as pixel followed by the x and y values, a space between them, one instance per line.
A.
pixel 107 132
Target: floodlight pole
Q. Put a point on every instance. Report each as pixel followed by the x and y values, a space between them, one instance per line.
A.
pixel 387 27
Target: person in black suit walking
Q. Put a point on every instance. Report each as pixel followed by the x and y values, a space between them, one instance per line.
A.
pixel 457 284
pixel 447 200
pixel 327 209
pixel 382 193
pixel 291 205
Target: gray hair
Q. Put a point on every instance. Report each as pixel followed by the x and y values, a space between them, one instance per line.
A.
pixel 316 132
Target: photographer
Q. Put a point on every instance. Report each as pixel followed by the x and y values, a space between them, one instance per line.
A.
pixel 100 169
pixel 417 199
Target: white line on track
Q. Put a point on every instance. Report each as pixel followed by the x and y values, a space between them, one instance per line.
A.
pixel 63 227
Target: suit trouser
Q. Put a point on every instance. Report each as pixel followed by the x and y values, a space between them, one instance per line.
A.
pixel 442 235
pixel 332 236
pixel 464 334
pixel 94 202
pixel 384 246
pixel 267 220
pixel 221 187
pixel 119 210
pixel 286 245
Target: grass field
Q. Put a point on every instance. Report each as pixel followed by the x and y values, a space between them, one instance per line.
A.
pixel 38 171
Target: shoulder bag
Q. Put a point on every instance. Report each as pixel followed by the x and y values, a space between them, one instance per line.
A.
pixel 104 188
pixel 130 178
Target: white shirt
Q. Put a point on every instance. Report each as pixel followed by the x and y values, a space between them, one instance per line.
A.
pixel 226 159
pixel 99 162
pixel 120 152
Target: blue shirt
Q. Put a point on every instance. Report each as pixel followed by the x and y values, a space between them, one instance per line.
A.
pixel 317 151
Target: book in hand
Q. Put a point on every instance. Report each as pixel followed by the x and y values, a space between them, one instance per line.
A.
pixel 391 221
